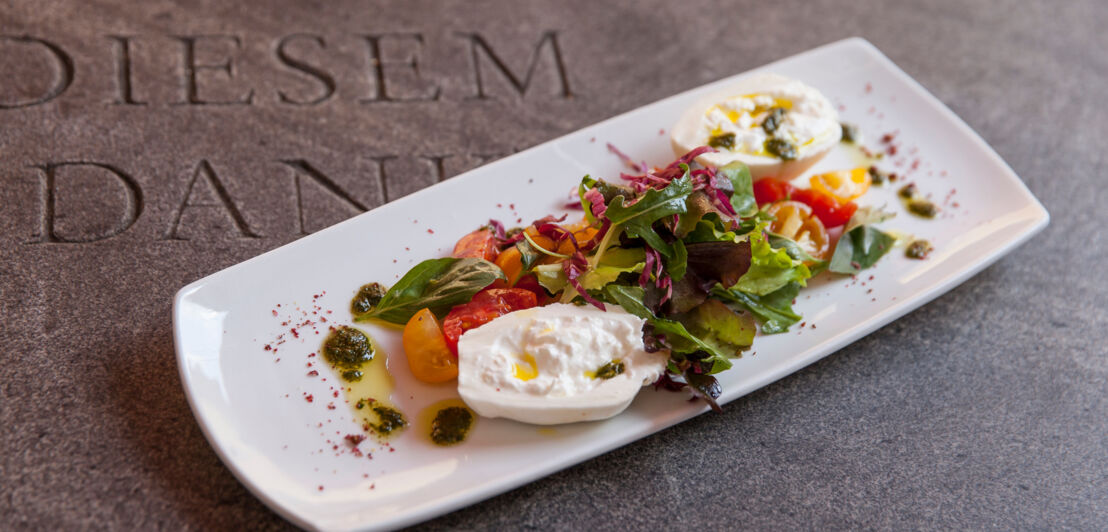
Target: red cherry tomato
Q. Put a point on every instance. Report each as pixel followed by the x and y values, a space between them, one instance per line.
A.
pixel 530 282
pixel 480 244
pixel 485 306
pixel 829 211
pixel 769 190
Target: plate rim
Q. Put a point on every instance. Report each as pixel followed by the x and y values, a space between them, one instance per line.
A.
pixel 474 494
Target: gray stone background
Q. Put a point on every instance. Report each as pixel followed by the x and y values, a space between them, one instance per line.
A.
pixel 985 409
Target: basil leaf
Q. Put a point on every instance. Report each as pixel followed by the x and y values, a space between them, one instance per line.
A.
pixel 437 284
pixel 638 218
pixel 742 185
pixel 775 309
pixel 859 249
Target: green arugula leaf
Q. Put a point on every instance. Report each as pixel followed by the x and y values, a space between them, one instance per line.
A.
pixel 528 255
pixel 607 190
pixel 553 278
pixel 638 218
pixel 860 248
pixel 742 185
pixel 708 231
pixel 770 269
pixel 775 309
pixel 714 323
pixel 622 257
pixel 630 298
pixel 795 251
pixel 697 206
pixel 437 284
pixel 682 341
pixel 677 265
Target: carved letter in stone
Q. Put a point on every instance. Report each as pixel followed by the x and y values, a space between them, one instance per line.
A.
pixel 223 201
pixel 188 59
pixel 326 81
pixel 91 194
pixel 480 47
pixel 380 67
pixel 62 65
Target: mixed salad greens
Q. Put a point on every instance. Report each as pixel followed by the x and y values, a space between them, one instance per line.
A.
pixel 706 256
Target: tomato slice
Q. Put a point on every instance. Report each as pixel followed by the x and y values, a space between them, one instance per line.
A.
pixel 485 306
pixel 843 185
pixel 769 190
pixel 795 220
pixel 425 347
pixel 530 282
pixel 480 244
pixel 829 211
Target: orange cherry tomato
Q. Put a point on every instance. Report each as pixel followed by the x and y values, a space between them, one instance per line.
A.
pixel 843 185
pixel 485 306
pixel 425 348
pixel 511 263
pixel 795 220
pixel 480 244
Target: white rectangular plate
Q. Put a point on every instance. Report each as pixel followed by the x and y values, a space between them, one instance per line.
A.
pixel 253 409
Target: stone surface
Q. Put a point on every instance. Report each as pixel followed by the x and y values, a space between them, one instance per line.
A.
pixel 985 409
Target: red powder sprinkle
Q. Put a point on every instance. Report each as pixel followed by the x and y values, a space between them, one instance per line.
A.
pixel 330 406
pixel 321 487
pixel 430 231
pixel 274 312
pixel 336 393
pixel 313 373
pixel 268 347
pixel 512 206
pixel 869 88
pixel 309 398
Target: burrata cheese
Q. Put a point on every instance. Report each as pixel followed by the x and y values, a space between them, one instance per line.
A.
pixel 556 364
pixel 734 121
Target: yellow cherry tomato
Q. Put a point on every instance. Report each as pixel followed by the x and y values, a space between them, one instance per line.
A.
pixel 843 185
pixel 795 220
pixel 425 348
